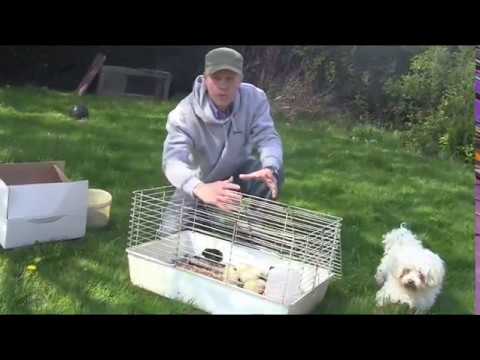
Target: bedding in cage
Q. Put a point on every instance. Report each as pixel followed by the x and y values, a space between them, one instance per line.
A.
pixel 264 257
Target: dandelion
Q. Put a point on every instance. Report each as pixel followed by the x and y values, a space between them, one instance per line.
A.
pixel 32 268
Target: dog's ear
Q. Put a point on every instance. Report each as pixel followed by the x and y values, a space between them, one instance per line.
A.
pixel 423 276
pixel 435 273
pixel 431 278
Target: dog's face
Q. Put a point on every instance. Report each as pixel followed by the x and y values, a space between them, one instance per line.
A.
pixel 412 279
pixel 428 272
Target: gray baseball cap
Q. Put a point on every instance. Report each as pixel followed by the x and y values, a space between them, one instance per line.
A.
pixel 223 59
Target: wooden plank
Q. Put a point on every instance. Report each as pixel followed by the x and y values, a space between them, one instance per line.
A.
pixel 92 72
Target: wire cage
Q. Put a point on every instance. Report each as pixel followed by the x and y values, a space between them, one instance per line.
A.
pixel 262 257
pixel 142 83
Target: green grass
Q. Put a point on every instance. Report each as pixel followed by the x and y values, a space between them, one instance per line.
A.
pixel 362 176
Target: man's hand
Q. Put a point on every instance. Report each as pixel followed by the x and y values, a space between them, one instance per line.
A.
pixel 266 176
pixel 223 194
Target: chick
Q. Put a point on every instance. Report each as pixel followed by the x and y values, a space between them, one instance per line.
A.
pixel 247 273
pixel 231 275
pixel 257 285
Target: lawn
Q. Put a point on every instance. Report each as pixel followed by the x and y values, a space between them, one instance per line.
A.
pixel 361 175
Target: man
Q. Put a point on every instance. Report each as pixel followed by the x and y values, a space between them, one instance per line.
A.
pixel 212 135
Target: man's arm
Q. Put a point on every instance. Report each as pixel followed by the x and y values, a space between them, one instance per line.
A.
pixel 269 145
pixel 264 135
pixel 178 162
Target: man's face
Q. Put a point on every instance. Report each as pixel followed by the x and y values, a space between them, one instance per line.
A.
pixel 222 87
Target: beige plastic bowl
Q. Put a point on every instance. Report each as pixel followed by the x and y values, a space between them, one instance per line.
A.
pixel 99 203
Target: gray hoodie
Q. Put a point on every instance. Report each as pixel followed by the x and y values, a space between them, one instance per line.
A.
pixel 199 148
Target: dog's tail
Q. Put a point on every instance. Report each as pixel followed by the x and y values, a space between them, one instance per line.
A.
pixel 404 226
pixel 399 237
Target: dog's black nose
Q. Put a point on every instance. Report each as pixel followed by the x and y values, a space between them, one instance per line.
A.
pixel 411 284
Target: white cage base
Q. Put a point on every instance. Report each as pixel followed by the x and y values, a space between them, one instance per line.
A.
pixel 157 274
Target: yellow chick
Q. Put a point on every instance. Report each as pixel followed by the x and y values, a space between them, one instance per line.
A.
pixel 230 274
pixel 257 285
pixel 247 273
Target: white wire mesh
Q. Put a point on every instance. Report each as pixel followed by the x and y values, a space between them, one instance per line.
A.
pixel 256 238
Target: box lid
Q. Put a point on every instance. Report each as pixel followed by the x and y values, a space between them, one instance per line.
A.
pixel 33 173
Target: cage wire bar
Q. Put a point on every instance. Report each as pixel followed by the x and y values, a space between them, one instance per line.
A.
pixel 168 227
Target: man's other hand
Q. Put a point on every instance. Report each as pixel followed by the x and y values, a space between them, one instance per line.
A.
pixel 266 176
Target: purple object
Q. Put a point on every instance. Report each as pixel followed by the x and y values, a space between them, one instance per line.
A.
pixel 477 205
pixel 477 247
pixel 477 113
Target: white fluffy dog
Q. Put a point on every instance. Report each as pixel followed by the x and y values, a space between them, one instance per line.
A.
pixel 408 273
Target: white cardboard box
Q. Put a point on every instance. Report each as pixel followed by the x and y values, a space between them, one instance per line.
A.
pixel 39 204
